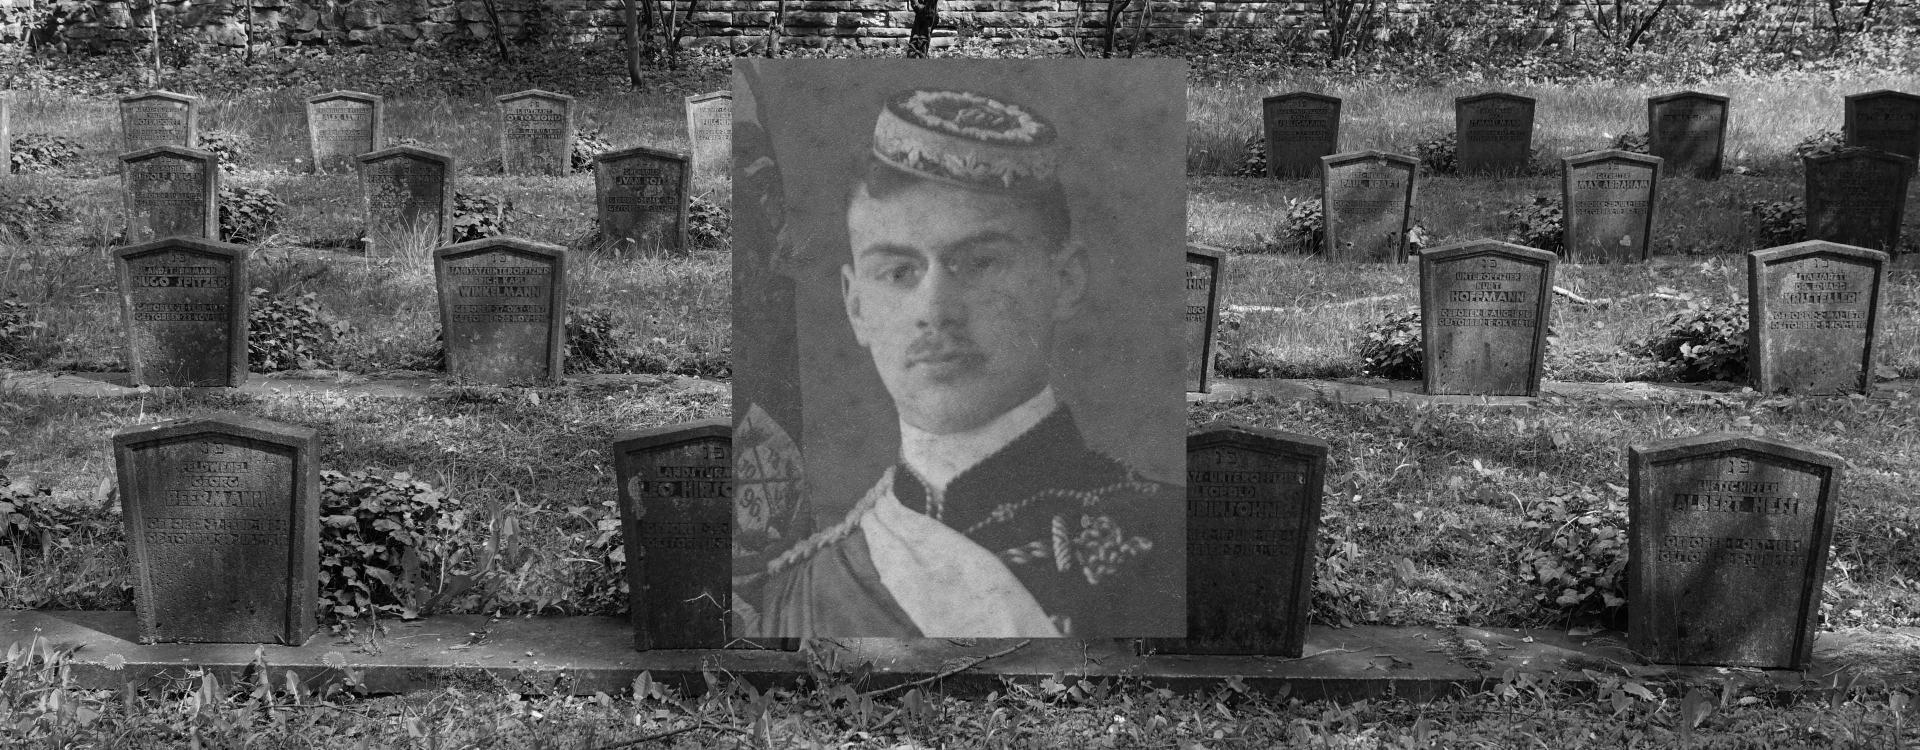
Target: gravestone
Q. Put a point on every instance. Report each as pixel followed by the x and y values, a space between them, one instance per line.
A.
pixel 1812 317
pixel 536 132
pixel 1301 128
pixel 1857 197
pixel 1493 133
pixel 407 196
pixel 710 128
pixel 342 125
pixel 1609 199
pixel 1689 131
pixel 1366 200
pixel 222 518
pixel 1884 121
pixel 503 310
pixel 1728 549
pixel 159 118
pixel 643 198
pixel 1204 267
pixel 184 304
pixel 676 511
pixel 171 192
pixel 1253 525
pixel 1483 313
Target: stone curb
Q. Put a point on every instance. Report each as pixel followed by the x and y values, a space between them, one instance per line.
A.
pixel 1632 393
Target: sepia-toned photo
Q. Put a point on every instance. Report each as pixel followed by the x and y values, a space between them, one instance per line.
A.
pixel 985 261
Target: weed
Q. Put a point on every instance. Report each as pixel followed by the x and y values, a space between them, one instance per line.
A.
pixel 383 540
pixel 1392 348
pixel 1538 224
pixel 288 332
pixel 248 215
pixel 228 147
pixel 478 216
pixel 1705 341
pixel 37 153
pixel 1781 222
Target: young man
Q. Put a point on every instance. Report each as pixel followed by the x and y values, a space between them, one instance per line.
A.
pixel 997 520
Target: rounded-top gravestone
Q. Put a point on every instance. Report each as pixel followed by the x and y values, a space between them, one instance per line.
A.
pixel 1884 120
pixel 171 191
pixel 342 125
pixel 184 304
pixel 1367 199
pixel 676 508
pixel 536 132
pixel 1493 133
pixel 159 118
pixel 1610 199
pixel 407 197
pixel 503 310
pixel 1484 308
pixel 1857 196
pixel 1301 127
pixel 1205 264
pixel 1812 317
pixel 1689 130
pixel 642 194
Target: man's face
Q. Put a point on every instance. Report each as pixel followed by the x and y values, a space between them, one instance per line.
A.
pixel 955 294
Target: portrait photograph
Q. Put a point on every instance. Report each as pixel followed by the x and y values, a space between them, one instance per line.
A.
pixel 968 274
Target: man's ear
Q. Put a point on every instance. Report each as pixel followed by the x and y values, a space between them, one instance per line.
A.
pixel 1070 268
pixel 850 296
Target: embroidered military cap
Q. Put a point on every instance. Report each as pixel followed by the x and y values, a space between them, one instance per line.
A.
pixel 968 139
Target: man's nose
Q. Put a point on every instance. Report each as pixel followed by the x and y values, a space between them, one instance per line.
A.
pixel 943 297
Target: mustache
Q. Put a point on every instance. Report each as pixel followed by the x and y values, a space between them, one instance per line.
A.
pixel 940 345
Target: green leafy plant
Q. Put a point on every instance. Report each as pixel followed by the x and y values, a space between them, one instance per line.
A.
pixel 478 216
pixel 1781 222
pixel 708 224
pixel 586 145
pixel 18 327
pixel 382 542
pixel 43 152
pixel 1821 143
pixel 1538 224
pixel 1439 154
pixel 288 332
pixel 248 215
pixel 1705 341
pixel 1392 348
pixel 1254 164
pixel 228 147
pixel 24 215
pixel 1303 226
pixel 1579 559
pixel 1639 143
pixel 597 343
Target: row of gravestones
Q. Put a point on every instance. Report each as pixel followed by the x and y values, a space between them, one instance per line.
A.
pixel 1853 196
pixel 1812 312
pixel 503 306
pixel 1494 131
pixel 407 197
pixel 1728 538
pixel 536 128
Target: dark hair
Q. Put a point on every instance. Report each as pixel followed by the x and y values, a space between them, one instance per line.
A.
pixel 882 181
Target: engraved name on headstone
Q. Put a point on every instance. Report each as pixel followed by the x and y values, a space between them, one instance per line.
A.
pixel 676 510
pixel 710 128
pixel 1253 526
pixel 503 310
pixel 407 197
pixel 1812 316
pixel 1483 310
pixel 536 132
pixel 1367 201
pixel 1205 265
pixel 1493 133
pixel 159 118
pixel 1301 127
pixel 1728 549
pixel 184 303
pixel 1885 121
pixel 342 125
pixel 1857 197
pixel 171 191
pixel 222 518
pixel 1689 131
pixel 643 198
pixel 1609 199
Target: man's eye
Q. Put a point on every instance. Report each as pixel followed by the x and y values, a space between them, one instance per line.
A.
pixel 898 273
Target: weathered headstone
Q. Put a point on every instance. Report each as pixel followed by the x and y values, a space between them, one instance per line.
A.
pixel 536 132
pixel 159 118
pixel 1366 199
pixel 643 198
pixel 710 128
pixel 184 303
pixel 1253 526
pixel 1857 197
pixel 171 192
pixel 222 518
pixel 1689 131
pixel 1728 549
pixel 1884 121
pixel 1301 128
pixel 408 197
pixel 1609 198
pixel 342 125
pixel 503 310
pixel 1483 311
pixel 1493 133
pixel 1812 315
pixel 676 510
pixel 1204 268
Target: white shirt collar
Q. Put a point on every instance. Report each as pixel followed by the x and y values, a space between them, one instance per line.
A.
pixel 939 458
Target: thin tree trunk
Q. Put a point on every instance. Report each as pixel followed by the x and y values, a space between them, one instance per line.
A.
pixel 499 34
pixel 1140 27
pixel 926 15
pixel 153 10
pixel 776 27
pixel 249 20
pixel 630 36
